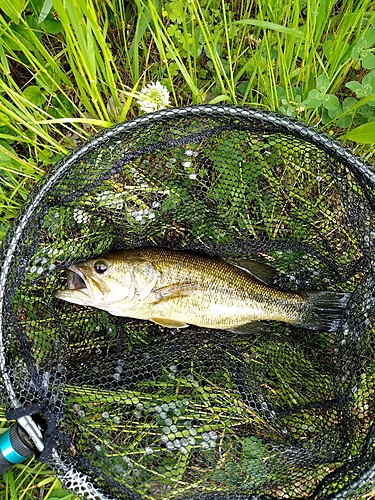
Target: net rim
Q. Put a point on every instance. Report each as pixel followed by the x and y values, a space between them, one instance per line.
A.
pixel 284 124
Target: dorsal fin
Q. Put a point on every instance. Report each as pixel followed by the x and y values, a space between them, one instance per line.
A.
pixel 261 272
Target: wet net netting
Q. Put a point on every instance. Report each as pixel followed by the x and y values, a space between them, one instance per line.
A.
pixel 133 410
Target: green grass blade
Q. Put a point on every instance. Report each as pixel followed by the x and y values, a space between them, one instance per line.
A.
pixel 266 25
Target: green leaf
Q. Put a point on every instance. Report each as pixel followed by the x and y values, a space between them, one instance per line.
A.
pixel 4 119
pixel 60 494
pixel 328 47
pixel 323 83
pixel 61 107
pixel 281 92
pixel 348 103
pixel 330 102
pixel 368 60
pixel 367 112
pixel 369 37
pixel 32 31
pixel 334 112
pixel 219 98
pixel 253 448
pixel 173 69
pixel 34 95
pixel 369 79
pixel 175 10
pixel 51 26
pixel 4 60
pixel 314 100
pixel 288 111
pixel 5 145
pixel 13 9
pixel 6 135
pixel 364 134
pixel 34 6
pixel 272 26
pixel 344 121
pixel 5 160
pixel 362 49
pixel 355 87
pixel 45 10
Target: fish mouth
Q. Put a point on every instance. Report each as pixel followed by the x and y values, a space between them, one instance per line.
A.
pixel 76 279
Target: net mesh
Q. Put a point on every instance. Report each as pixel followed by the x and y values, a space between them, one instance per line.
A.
pixel 133 410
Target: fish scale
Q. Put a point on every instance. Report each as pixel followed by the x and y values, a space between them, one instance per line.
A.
pixel 233 293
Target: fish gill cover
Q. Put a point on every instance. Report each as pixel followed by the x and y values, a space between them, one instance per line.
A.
pixel 135 410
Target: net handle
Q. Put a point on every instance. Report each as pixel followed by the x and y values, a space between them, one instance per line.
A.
pixel 15 447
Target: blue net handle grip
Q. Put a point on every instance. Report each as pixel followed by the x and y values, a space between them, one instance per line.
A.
pixel 14 447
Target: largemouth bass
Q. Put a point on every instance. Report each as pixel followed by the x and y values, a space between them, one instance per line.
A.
pixel 176 289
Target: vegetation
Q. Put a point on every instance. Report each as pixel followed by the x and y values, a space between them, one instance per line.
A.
pixel 70 68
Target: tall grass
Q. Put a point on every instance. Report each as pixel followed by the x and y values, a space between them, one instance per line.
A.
pixel 68 69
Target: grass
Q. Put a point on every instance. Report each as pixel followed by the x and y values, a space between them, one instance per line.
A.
pixel 69 69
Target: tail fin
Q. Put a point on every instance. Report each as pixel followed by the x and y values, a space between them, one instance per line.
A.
pixel 323 310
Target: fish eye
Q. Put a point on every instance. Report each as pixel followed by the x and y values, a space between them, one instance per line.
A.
pixel 100 267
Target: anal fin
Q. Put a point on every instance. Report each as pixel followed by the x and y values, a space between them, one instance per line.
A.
pixel 169 323
pixel 253 328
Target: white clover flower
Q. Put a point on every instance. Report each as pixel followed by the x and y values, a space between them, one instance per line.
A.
pixel 189 152
pixel 80 216
pixel 153 97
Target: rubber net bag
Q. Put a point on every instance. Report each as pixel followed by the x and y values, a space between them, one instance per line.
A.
pixel 133 410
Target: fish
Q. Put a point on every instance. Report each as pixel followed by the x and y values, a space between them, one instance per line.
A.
pixel 176 288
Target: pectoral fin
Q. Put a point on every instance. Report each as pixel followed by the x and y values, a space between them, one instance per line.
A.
pixel 173 291
pixel 169 323
pixel 146 276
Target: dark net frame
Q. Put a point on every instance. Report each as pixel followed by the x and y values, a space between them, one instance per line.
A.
pixel 131 410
